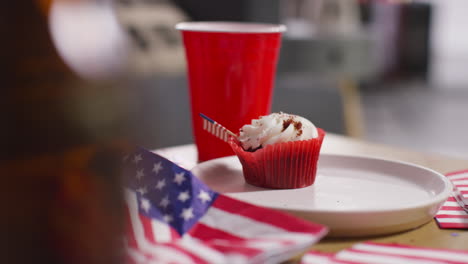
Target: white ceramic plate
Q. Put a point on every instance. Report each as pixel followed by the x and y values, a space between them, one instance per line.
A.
pixel 353 196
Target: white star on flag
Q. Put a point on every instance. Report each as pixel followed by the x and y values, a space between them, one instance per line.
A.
pixel 183 196
pixel 164 202
pixel 204 196
pixel 145 204
pixel 161 184
pixel 140 174
pixel 142 190
pixel 187 213
pixel 179 178
pixel 157 167
pixel 137 158
pixel 167 218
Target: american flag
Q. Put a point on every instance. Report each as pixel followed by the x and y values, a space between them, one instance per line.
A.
pixel 174 218
pixel 215 128
pixel 452 214
pixel 382 253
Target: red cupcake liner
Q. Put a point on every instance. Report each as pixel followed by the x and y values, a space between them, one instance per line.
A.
pixel 286 165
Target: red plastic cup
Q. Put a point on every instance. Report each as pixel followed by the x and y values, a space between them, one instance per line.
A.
pixel 231 70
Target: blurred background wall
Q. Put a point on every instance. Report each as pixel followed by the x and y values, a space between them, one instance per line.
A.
pixel 387 71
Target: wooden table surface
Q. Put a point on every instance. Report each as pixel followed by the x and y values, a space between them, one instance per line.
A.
pixel 428 235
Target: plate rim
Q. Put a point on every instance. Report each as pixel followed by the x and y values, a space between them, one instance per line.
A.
pixel 438 198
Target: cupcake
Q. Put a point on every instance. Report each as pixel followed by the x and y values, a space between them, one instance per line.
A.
pixel 279 151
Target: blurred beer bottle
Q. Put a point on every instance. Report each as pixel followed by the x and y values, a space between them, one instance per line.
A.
pixel 64 123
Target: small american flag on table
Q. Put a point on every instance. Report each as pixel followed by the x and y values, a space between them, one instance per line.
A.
pixel 174 218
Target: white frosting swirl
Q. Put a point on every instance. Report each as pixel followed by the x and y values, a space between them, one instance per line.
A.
pixel 276 128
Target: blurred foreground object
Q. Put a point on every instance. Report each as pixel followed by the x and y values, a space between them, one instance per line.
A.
pixel 88 37
pixel 62 134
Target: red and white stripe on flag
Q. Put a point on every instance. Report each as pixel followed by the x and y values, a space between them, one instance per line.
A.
pixel 315 257
pixel 460 181
pixel 231 231
pixel 216 130
pixel 380 253
pixel 451 214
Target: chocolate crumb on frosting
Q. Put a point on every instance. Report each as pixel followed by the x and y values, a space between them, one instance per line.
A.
pixel 299 133
pixel 286 123
pixel 297 125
